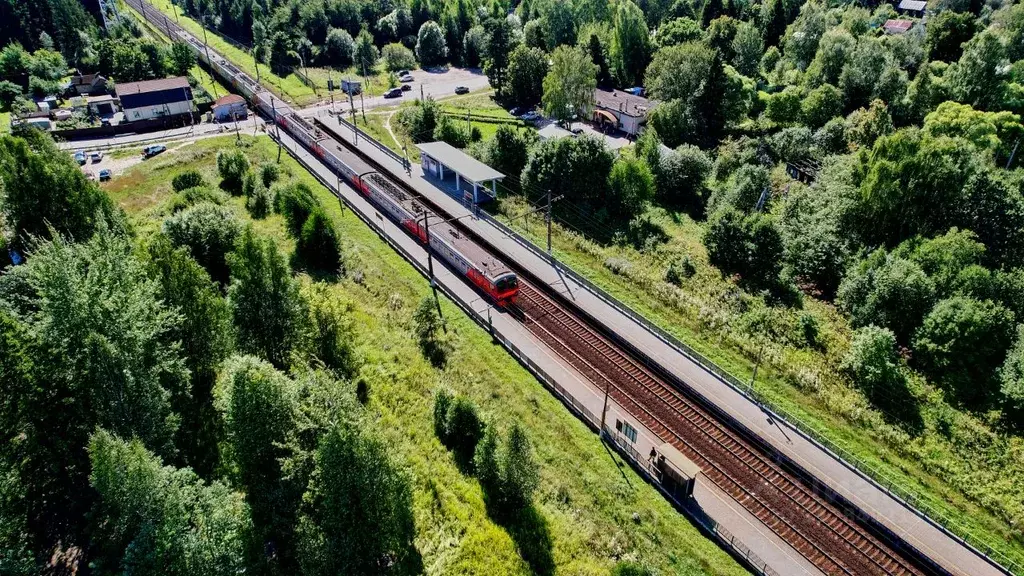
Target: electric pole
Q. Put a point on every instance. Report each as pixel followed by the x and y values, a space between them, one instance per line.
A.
pixel 549 223
pixel 273 119
pixel 430 259
pixel 206 44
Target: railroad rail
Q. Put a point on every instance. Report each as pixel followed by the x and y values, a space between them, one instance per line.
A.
pixel 813 519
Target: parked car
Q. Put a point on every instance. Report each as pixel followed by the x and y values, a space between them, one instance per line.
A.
pixel 405 77
pixel 96 157
pixel 393 93
pixel 80 158
pixel 150 151
pixel 577 131
pixel 105 175
pixel 517 111
pixel 530 116
pixel 406 87
pixel 461 90
pixel 404 73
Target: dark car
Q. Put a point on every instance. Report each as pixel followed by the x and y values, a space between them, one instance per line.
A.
pixel 406 87
pixel 393 93
pixel 105 175
pixel 150 151
pixel 461 90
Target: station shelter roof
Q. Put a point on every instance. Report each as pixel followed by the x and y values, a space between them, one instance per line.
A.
pixel 458 161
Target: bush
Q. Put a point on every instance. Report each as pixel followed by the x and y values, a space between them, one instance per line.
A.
pixel 961 344
pixel 331 336
pixel 249 183
pixel 187 179
pixel 259 202
pixel 232 166
pixel 632 185
pixel 318 246
pixel 270 173
pixel 419 120
pixel 209 232
pixel 397 57
pixel 874 366
pixel 433 344
pixel 442 402
pixel 887 291
pixel 463 429
pixel 296 203
pixel 680 270
pixel 452 132
pixel 196 195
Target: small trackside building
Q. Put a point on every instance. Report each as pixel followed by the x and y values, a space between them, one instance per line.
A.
pixel 155 98
pixel 229 108
pixel 620 110
pixel 439 159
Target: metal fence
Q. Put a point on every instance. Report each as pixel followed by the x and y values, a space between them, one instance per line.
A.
pixel 922 508
pixel 629 453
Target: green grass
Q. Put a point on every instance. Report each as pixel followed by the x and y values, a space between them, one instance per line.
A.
pixel 5 122
pixel 587 497
pixel 290 88
pixel 956 464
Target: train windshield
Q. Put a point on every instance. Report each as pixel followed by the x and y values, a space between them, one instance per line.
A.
pixel 506 283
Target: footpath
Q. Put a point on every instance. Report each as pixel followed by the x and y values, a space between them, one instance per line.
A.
pixel 877 503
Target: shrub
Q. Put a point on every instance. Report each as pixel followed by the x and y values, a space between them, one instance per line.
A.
pixel 1011 377
pixel 187 179
pixel 442 402
pixel 259 202
pixel 270 173
pixel 199 194
pixel 874 366
pixel 296 203
pixel 249 183
pixel 961 344
pixel 232 166
pixel 887 291
pixel 209 232
pixel 463 429
pixel 680 270
pixel 330 335
pixel 318 245
pixel 452 132
pixel 433 344
pixel 397 57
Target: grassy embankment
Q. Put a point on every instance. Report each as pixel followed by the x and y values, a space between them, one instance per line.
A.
pixel 955 463
pixel 290 88
pixel 587 497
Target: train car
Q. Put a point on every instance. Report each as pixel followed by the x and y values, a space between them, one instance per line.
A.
pixel 488 274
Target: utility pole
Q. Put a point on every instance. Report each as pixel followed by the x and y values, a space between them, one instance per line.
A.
pixel 273 119
pixel 142 3
pixel 175 10
pixel 408 163
pixel 549 223
pixel 330 89
pixel 355 131
pixel 167 27
pixel 366 82
pixel 430 259
pixel 421 91
pixel 604 409
pixel 753 378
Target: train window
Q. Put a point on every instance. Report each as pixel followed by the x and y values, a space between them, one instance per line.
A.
pixel 507 282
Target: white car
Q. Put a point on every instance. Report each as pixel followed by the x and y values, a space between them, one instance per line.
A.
pixel 405 78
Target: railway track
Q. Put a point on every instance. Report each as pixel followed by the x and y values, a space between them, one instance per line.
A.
pixel 829 540
pixel 740 465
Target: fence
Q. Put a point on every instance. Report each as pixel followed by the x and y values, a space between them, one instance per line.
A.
pixel 643 467
pixel 879 479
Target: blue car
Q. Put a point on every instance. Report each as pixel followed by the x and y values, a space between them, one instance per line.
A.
pixel 105 175
pixel 80 158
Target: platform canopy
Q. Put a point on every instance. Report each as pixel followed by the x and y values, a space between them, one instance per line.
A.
pixel 459 162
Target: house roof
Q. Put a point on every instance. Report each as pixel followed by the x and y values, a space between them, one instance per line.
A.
pixel 553 131
pixel 149 86
pixel 624 102
pixel 228 100
pixel 451 157
pixel 86 79
pixel 913 5
pixel 897 26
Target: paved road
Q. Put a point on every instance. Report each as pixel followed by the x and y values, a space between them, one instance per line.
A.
pixel 436 84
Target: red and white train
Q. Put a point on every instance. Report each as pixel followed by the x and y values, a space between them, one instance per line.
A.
pixel 488 274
